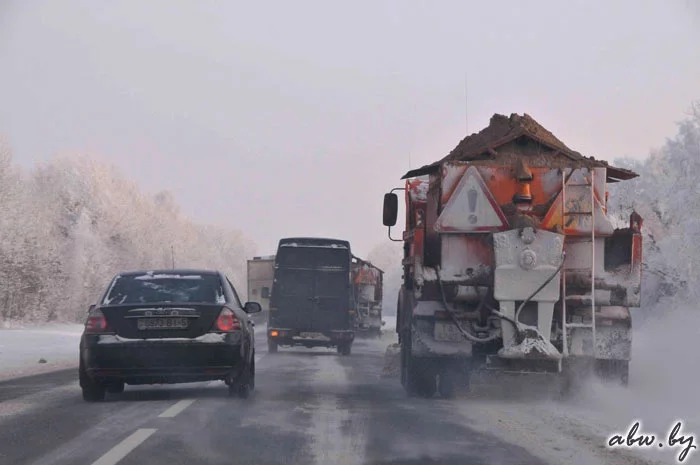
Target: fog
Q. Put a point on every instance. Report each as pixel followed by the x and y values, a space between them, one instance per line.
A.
pixel 283 118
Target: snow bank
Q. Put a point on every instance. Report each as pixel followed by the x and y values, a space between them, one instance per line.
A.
pixel 21 350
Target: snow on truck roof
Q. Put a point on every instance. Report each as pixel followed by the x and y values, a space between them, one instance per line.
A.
pixel 502 130
pixel 323 242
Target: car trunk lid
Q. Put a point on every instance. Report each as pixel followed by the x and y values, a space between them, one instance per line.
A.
pixel 159 321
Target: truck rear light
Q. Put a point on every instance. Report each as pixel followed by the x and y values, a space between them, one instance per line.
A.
pixel 274 333
pixel 227 321
pixel 96 322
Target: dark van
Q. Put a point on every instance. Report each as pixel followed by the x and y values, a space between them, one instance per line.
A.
pixel 311 303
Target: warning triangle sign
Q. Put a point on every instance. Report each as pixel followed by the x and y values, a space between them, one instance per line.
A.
pixel 471 208
pixel 579 214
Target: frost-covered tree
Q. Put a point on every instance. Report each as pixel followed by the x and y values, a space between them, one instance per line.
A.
pixel 68 226
pixel 667 195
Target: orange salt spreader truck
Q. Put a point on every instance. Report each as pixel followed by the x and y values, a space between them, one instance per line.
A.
pixel 367 282
pixel 512 266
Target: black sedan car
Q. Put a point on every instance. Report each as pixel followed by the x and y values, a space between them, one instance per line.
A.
pixel 168 326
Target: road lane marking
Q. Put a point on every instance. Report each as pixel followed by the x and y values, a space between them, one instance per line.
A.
pixel 122 449
pixel 177 408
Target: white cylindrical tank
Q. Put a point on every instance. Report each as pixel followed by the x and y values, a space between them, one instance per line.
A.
pixel 366 292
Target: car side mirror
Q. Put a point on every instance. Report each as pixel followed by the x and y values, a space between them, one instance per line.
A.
pixel 391 209
pixel 92 307
pixel 265 292
pixel 252 307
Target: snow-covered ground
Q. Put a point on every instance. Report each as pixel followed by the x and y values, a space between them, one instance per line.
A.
pixel 38 349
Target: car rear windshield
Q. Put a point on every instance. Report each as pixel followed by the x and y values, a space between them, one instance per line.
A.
pixel 164 288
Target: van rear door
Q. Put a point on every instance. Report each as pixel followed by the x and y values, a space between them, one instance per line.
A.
pixel 294 298
pixel 332 298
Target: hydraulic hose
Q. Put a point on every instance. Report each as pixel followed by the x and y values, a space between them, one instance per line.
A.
pixel 517 312
pixel 470 337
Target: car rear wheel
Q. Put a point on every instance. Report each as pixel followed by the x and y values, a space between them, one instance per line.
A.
pixel 244 384
pixel 116 388
pixel 252 373
pixel 92 391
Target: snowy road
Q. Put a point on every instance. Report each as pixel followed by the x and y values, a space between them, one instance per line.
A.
pixel 310 407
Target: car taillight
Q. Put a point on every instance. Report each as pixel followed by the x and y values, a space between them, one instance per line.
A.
pixel 227 321
pixel 96 322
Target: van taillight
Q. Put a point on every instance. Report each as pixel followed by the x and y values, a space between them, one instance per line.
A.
pixel 96 322
pixel 227 321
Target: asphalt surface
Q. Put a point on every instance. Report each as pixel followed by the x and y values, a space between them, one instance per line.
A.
pixel 309 407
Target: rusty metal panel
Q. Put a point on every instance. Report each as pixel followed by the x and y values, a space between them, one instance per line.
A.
pixel 500 180
pixel 463 257
pixel 578 255
pixel 417 189
pixel 578 211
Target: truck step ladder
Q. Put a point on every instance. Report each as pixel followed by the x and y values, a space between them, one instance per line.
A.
pixel 564 214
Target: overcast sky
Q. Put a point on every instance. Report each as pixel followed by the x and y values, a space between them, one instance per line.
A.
pixel 294 117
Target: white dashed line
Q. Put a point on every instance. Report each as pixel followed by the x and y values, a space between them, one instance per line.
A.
pixel 177 408
pixel 122 449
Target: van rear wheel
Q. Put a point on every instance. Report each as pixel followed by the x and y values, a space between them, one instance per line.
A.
pixel 344 349
pixel 271 347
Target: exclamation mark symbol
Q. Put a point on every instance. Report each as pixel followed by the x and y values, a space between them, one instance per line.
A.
pixel 471 197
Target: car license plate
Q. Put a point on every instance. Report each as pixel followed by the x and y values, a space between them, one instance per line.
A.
pixel 447 332
pixel 311 335
pixel 146 324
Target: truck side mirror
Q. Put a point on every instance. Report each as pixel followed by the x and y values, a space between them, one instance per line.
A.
pixel 265 292
pixel 391 209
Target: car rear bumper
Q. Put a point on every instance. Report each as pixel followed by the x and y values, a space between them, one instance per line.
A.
pixel 106 358
pixel 291 337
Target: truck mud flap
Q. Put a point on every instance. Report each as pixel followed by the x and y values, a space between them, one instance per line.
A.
pixel 524 365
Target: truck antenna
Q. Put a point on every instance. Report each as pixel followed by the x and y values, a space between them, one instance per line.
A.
pixel 172 255
pixel 466 104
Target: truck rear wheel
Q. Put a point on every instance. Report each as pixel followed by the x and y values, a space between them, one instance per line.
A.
pixel 418 376
pixel 447 385
pixel 613 370
pixel 421 379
